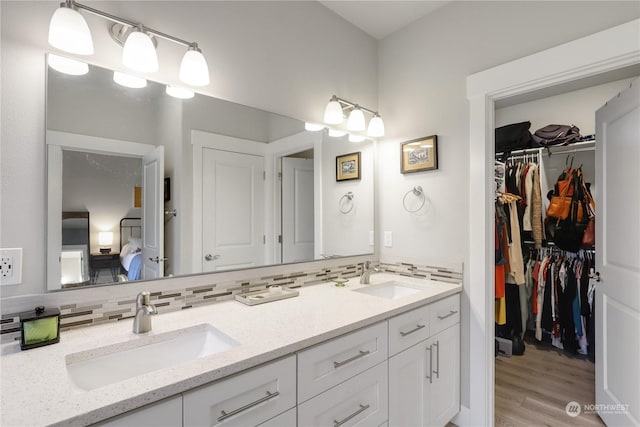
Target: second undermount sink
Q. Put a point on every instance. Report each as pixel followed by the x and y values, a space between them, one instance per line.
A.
pixel 390 290
pixel 96 368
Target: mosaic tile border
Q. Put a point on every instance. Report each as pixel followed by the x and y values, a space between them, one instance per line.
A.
pixel 91 313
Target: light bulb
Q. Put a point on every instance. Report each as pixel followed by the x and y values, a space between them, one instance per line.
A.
pixel 356 120
pixel 313 127
pixel 336 133
pixel 193 68
pixel 376 127
pixel 139 53
pixel 69 31
pixel 128 80
pixel 67 65
pixel 333 112
pixel 356 138
pixel 179 92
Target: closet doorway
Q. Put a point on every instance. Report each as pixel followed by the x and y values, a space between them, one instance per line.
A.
pixel 602 54
pixel 547 338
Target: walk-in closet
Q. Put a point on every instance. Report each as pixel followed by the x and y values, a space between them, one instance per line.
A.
pixel 545 286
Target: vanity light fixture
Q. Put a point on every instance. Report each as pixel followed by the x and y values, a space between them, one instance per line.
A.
pixel 179 92
pixel 127 80
pixel 313 127
pixel 68 31
pixel 336 108
pixel 335 133
pixel 67 65
pixel 356 138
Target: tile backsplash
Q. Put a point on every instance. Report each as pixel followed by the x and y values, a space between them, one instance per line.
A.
pixel 90 313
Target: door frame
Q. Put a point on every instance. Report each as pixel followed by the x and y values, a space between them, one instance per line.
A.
pixel 588 57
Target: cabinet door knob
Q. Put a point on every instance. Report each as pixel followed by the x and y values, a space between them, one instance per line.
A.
pixel 209 257
pixel 158 260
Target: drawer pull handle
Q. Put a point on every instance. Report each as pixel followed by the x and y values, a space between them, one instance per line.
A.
pixel 226 415
pixel 359 411
pixel 451 313
pixel 417 328
pixel 430 376
pixel 351 359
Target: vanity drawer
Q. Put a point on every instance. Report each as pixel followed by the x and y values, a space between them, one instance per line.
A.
pixel 249 398
pixel 444 313
pixel 332 362
pixel 360 401
pixel 408 329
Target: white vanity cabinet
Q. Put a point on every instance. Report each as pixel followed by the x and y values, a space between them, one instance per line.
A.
pixel 247 399
pixel 166 413
pixel 424 379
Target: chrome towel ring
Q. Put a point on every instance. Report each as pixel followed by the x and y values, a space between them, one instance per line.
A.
pixel 417 191
pixel 347 199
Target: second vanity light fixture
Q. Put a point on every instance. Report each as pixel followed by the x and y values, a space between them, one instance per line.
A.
pixel 335 111
pixel 68 31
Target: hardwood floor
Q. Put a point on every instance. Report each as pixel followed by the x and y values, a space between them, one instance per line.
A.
pixel 535 388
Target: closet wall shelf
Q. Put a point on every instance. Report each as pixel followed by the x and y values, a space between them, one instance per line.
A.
pixel 587 145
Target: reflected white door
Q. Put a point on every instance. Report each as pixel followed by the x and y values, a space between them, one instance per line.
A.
pixel 618 259
pixel 297 209
pixel 152 214
pixel 232 210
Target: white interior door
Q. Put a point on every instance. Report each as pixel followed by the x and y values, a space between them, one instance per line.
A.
pixel 232 210
pixel 618 259
pixel 297 209
pixel 152 214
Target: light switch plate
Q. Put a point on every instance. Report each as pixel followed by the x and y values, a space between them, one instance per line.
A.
pixel 10 266
pixel 388 239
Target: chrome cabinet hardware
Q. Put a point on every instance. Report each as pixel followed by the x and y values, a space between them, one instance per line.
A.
pixel 226 415
pixel 209 257
pixel 359 411
pixel 157 260
pixel 351 359
pixel 437 370
pixel 417 328
pixel 430 376
pixel 451 313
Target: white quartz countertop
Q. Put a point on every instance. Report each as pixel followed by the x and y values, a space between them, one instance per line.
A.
pixel 35 389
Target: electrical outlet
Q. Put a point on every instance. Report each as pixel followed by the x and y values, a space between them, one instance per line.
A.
pixel 11 266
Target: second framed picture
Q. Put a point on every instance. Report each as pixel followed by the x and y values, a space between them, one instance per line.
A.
pixel 419 154
pixel 348 167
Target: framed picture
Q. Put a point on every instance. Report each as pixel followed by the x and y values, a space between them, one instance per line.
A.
pixel 348 167
pixel 419 154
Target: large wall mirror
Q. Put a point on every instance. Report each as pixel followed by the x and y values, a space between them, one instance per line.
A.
pixel 155 186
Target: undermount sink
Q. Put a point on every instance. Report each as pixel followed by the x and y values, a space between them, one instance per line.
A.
pixel 95 368
pixel 390 290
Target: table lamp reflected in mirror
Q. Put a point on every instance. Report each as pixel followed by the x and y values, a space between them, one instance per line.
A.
pixel 105 240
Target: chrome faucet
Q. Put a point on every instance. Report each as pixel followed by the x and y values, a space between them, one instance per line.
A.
pixel 367 271
pixel 144 310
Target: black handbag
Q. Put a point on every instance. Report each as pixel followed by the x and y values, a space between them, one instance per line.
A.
pixel 511 137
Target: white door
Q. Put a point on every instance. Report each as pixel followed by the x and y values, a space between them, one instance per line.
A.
pixel 152 214
pixel 232 210
pixel 297 209
pixel 618 259
pixel 408 386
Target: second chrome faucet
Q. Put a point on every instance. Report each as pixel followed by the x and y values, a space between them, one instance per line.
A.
pixel 144 311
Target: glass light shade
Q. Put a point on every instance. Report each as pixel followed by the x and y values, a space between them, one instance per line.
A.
pixel 105 238
pixel 68 65
pixel 333 113
pixel 139 53
pixel 376 127
pixel 313 127
pixel 336 133
pixel 127 80
pixel 179 92
pixel 193 68
pixel 356 138
pixel 69 31
pixel 356 120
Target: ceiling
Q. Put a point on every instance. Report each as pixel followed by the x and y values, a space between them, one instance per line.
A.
pixel 382 17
